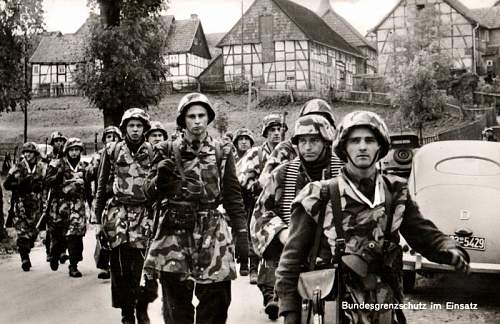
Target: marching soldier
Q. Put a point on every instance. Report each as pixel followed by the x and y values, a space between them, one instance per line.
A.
pixel 57 141
pixel 123 211
pixel 250 167
pixel 110 134
pixel 313 137
pixel 243 141
pixel 192 249
pixel 70 190
pixel 360 214
pixel 157 133
pixel 286 151
pixel 25 180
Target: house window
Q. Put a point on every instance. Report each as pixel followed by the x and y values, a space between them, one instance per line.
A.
pixel 61 69
pixel 36 69
pixel 420 7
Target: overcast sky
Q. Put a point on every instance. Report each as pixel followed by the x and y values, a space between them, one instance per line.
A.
pixel 221 15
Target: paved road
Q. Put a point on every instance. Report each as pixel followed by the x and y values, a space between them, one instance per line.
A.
pixel 42 296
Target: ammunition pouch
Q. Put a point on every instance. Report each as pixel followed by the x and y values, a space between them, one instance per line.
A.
pixel 179 216
pixel 316 289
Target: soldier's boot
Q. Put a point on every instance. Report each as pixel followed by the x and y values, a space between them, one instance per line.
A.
pixel 254 270
pixel 73 271
pixel 54 264
pixel 128 315
pixel 25 261
pixel 244 268
pixel 272 309
pixel 142 313
pixel 104 274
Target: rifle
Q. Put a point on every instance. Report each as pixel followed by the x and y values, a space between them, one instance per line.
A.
pixel 9 222
pixel 42 222
pixel 283 123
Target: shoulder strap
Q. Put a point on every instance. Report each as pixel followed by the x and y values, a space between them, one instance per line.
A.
pixel 116 150
pixel 388 206
pixel 178 161
pixel 326 190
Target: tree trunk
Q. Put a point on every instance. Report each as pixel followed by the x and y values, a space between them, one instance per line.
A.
pixel 110 16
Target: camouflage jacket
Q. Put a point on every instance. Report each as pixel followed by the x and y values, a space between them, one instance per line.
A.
pixel 121 204
pixel 93 168
pixel 282 153
pixel 266 221
pixel 363 226
pixel 250 167
pixel 70 190
pixel 27 187
pixel 205 254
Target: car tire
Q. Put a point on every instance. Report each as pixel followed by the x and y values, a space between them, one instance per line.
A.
pixel 409 278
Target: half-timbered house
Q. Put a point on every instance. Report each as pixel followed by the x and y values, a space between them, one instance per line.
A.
pixel 281 44
pixel 463 34
pixel 342 27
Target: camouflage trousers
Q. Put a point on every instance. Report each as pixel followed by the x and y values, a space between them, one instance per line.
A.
pixel 27 213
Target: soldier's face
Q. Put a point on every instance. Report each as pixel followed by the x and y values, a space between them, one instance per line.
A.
pixel 58 143
pixel 110 137
pixel 29 156
pixel 362 147
pixel 135 129
pixel 155 137
pixel 244 143
pixel 196 120
pixel 274 134
pixel 310 147
pixel 74 152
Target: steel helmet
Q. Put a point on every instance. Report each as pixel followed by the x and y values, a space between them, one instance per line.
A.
pixel 272 120
pixel 243 132
pixel 362 118
pixel 56 135
pixel 313 124
pixel 318 107
pixel 135 113
pixel 157 126
pixel 189 100
pixel 30 147
pixel 112 129
pixel 73 142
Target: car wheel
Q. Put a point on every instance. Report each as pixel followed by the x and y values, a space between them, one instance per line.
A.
pixel 408 280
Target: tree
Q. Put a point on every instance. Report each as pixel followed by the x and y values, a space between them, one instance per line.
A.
pixel 124 56
pixel 420 67
pixel 20 22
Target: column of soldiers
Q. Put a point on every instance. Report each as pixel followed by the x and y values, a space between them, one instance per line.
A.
pixel 180 212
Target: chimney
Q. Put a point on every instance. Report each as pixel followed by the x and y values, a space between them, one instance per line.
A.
pixel 323 7
pixel 194 16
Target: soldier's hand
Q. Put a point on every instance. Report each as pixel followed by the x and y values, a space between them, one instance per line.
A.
pixel 292 318
pixel 283 235
pixel 165 170
pixel 242 245
pixel 459 261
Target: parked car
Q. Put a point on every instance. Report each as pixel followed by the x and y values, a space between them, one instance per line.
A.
pixel 398 160
pixel 456 185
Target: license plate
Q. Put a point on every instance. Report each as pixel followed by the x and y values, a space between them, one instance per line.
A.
pixel 471 242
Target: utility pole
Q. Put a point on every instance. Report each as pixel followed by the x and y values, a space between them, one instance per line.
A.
pixel 26 91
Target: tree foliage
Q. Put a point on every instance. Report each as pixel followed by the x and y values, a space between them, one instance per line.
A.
pixel 124 54
pixel 20 22
pixel 420 70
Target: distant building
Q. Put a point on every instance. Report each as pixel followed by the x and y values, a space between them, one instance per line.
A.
pixel 352 36
pixel 491 56
pixel 57 56
pixel 212 78
pixel 285 45
pixel 465 34
pixel 54 61
pixel 187 53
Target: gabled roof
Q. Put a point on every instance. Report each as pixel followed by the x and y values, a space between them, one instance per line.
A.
pixel 344 28
pixel 455 4
pixel 212 40
pixel 314 27
pixel 181 35
pixel 68 48
pixel 489 16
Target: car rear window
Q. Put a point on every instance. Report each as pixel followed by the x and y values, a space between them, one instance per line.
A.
pixel 468 166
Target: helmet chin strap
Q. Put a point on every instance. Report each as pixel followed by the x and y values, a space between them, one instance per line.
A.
pixel 375 158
